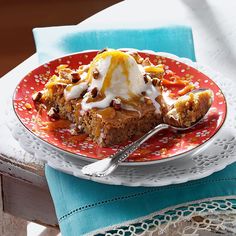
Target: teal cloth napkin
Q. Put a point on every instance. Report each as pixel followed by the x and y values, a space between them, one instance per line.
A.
pixel 84 206
pixel 54 42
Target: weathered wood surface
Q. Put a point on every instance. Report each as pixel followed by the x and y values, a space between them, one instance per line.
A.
pixel 10 225
pixel 28 201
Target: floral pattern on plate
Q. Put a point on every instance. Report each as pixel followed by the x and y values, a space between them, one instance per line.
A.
pixel 165 144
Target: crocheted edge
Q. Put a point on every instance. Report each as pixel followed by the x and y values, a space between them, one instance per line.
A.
pixel 180 218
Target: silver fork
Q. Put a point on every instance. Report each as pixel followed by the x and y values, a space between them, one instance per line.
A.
pixel 107 165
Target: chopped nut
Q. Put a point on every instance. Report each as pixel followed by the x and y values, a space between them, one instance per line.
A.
pixel 117 106
pixel 73 132
pixel 37 96
pixel 96 73
pixel 76 130
pixel 146 62
pixel 57 109
pixel 53 113
pixel 75 77
pixel 143 93
pixel 146 78
pixel 148 100
pixel 103 50
pixel 83 93
pixel 155 81
pixel 28 106
pixel 116 103
pixel 94 92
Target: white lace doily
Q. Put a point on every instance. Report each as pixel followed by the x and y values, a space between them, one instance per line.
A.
pixel 218 153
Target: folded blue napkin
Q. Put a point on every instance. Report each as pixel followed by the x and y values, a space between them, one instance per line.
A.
pixel 54 42
pixel 83 206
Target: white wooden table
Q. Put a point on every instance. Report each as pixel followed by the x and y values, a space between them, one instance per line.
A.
pixel 24 188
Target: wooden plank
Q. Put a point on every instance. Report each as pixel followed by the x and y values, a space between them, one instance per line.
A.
pixel 27 173
pixel 27 201
pixel 10 225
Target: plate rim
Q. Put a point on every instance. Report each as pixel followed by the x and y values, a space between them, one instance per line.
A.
pixel 183 60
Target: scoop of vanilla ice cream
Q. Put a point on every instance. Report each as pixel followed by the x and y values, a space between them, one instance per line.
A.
pixel 118 75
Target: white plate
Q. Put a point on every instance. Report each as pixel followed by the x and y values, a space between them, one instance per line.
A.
pixel 219 153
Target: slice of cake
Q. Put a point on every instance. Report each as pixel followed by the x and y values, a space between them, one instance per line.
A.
pixel 189 108
pixel 113 99
pixel 116 97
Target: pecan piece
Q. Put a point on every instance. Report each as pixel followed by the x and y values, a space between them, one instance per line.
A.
pixel 75 77
pixel 83 93
pixel 148 100
pixel 116 103
pixel 94 92
pixel 53 113
pixel 146 78
pixel 143 93
pixel 96 73
pixel 155 81
pixel 76 130
pixel 37 96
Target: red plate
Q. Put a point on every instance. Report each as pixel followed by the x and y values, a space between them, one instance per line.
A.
pixel 164 145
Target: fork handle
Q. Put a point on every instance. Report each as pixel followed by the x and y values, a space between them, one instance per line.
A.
pixel 106 166
pixel 124 153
